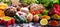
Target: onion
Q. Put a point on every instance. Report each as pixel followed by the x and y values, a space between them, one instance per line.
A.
pixel 36 18
pixel 21 13
pixel 29 17
pixel 25 10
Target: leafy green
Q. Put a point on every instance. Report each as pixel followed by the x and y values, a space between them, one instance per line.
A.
pixel 39 14
pixel 46 3
pixel 6 1
pixel 27 1
pixel 45 12
pixel 39 1
pixel 56 1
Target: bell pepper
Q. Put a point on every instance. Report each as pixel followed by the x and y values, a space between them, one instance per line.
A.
pixel 45 17
pixel 7 21
pixel 56 9
pixel 1 21
pixel 2 13
pixel 56 16
pixel 3 6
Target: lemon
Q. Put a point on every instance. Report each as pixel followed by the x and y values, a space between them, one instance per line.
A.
pixel 44 22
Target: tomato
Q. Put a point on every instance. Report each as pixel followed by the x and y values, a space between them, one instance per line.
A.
pixel 41 11
pixel 32 12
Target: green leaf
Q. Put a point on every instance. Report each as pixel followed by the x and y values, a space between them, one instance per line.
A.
pixel 39 14
pixel 45 12
pixel 56 1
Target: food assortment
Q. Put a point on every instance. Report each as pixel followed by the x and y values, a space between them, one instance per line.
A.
pixel 45 12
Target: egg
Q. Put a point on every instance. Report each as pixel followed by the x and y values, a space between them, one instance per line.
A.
pixel 29 17
pixel 36 18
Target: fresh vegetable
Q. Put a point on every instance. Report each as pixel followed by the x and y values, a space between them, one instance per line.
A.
pixel 56 16
pixel 7 20
pixel 3 6
pixel 36 18
pixel 39 1
pixel 56 9
pixel 46 3
pixel 39 15
pixel 54 23
pixel 6 1
pixel 21 13
pixel 17 19
pixel 28 1
pixel 36 9
pixel 25 10
pixel 29 17
pixel 32 12
pixel 2 13
pixel 20 18
pixel 45 12
pixel 45 17
pixel 56 1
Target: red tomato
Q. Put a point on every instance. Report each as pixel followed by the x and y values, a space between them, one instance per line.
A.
pixel 37 12
pixel 41 10
pixel 12 21
pixel 32 12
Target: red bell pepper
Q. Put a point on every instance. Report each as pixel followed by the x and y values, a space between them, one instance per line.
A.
pixel 56 9
pixel 11 22
pixel 7 21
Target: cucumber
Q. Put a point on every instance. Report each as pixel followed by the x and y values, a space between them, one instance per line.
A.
pixel 20 19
